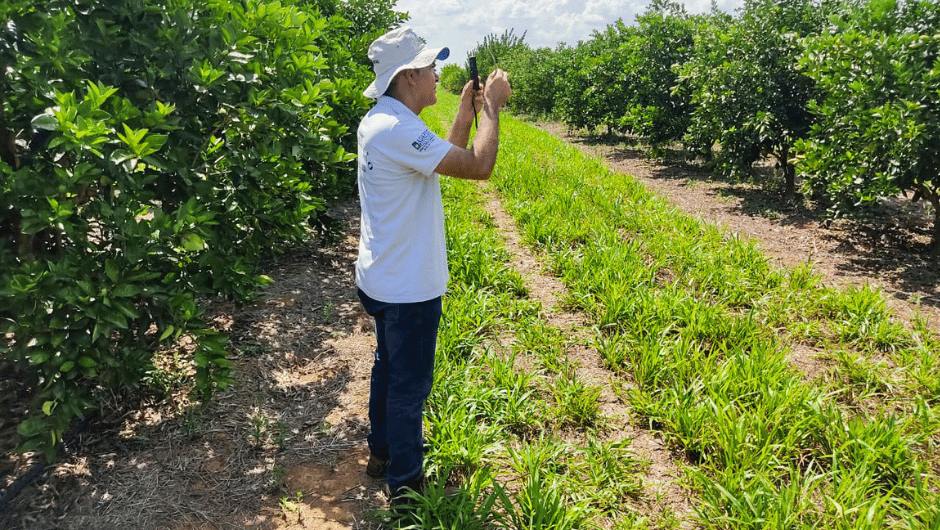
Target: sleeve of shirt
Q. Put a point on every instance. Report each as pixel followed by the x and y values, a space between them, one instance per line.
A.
pixel 413 145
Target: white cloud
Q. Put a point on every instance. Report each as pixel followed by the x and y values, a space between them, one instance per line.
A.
pixel 460 24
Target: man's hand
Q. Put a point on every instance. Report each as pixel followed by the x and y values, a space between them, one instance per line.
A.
pixel 497 91
pixel 467 96
pixel 477 163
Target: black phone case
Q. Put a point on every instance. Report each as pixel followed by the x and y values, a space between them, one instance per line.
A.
pixel 474 74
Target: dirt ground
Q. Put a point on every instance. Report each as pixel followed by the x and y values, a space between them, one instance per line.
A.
pixel 888 252
pixel 283 448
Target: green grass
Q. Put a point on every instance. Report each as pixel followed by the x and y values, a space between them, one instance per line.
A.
pixel 703 324
pixel 576 404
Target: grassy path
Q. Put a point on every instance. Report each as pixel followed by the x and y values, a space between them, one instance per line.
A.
pixel 703 326
pixel 663 497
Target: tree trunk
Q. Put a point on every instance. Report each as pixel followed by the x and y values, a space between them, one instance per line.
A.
pixel 8 147
pixel 933 197
pixel 935 245
pixel 789 172
pixel 7 139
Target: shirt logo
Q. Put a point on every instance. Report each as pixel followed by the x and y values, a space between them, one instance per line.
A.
pixel 424 141
pixel 368 163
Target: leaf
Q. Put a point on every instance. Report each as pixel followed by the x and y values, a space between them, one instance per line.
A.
pixel 167 332
pixel 128 310
pixel 115 318
pixel 239 57
pixel 133 138
pixel 38 357
pixel 155 142
pixel 164 109
pixel 97 331
pixel 192 242
pixel 119 156
pixel 222 362
pixel 111 270
pixel 201 358
pixel 30 427
pixel 87 362
pixel 214 144
pixel 67 367
pixel 47 407
pixel 45 122
pixel 126 290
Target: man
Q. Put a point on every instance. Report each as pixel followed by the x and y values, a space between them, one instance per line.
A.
pixel 401 271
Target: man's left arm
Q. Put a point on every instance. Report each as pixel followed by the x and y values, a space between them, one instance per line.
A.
pixel 459 134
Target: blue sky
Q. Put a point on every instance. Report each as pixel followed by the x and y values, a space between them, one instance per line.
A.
pixel 460 24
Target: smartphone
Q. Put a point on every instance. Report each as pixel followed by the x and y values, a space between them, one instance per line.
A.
pixel 474 73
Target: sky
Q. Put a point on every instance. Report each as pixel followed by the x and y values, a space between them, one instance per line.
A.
pixel 460 24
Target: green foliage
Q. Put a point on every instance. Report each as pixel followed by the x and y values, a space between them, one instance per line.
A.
pixel 471 507
pixel 747 94
pixel 590 79
pixel 571 84
pixel 494 49
pixel 152 154
pixel 621 78
pixel 601 86
pixel 454 77
pixel 878 128
pixel 575 402
pixel 534 78
pixel 663 39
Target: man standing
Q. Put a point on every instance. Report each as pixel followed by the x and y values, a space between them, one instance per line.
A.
pixel 401 271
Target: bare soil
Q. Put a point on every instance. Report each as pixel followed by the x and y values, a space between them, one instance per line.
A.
pixel 888 251
pixel 284 447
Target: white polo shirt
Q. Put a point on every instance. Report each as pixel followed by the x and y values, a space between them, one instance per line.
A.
pixel 402 252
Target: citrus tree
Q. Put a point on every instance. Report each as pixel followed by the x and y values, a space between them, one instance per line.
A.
pixel 591 84
pixel 663 39
pixel 534 74
pixel 611 87
pixel 748 95
pixel 152 153
pixel 878 127
pixel 454 77
pixel 574 88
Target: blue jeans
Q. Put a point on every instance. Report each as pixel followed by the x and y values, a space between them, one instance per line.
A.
pixel 401 381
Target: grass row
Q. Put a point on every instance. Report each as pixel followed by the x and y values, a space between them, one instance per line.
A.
pixel 696 318
pixel 870 352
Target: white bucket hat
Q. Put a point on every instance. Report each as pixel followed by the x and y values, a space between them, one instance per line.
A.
pixel 397 50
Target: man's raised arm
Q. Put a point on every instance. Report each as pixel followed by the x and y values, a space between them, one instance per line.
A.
pixel 477 163
pixel 470 100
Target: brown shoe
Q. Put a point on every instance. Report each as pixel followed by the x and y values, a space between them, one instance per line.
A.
pixel 398 499
pixel 376 466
